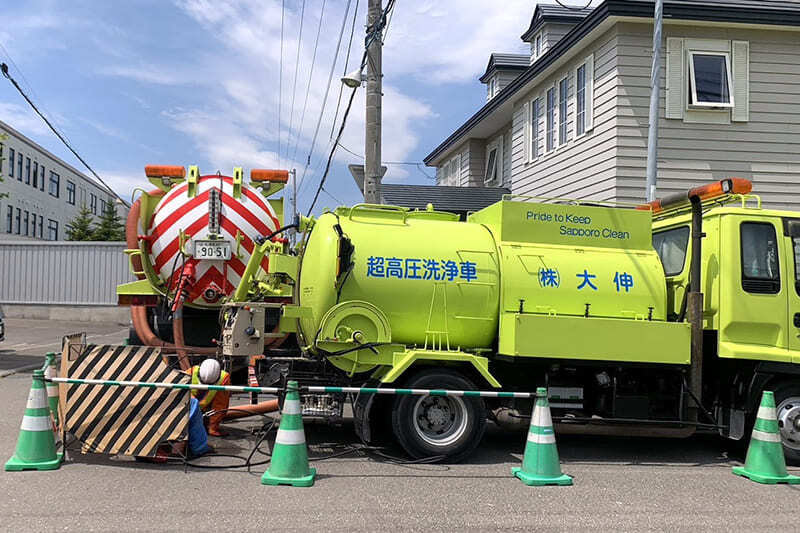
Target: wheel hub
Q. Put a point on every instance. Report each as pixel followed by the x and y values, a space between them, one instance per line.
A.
pixel 440 420
pixel 789 422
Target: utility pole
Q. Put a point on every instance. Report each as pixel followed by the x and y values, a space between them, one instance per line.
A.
pixel 372 148
pixel 655 93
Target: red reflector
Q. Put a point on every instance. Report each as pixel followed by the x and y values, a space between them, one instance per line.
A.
pixel 165 171
pixel 137 299
pixel 272 176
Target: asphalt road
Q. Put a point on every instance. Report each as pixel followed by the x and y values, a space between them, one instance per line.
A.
pixel 619 484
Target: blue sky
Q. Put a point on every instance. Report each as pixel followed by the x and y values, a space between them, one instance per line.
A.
pixel 196 82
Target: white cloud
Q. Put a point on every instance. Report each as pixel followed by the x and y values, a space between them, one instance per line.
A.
pixel 23 119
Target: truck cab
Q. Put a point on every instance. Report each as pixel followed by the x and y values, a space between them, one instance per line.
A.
pixel 751 308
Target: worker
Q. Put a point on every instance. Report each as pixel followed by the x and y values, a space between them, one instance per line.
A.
pixel 209 372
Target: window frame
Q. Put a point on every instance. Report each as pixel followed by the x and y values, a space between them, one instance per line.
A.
pixel 10 219
pixel 70 192
pixel 538 45
pixel 19 166
pixel 550 120
pixel 682 228
pixel 57 182
pixel 18 221
pixel 41 226
pixel 495 146
pixel 534 117
pixel 692 100
pixel 43 175
pixel 52 227
pixel 35 183
pixel 753 285
pixel 563 114
pixel 11 155
pixel 580 111
pixel 27 171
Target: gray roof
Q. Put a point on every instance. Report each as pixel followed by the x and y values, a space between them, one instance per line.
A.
pixel 767 12
pixel 443 198
pixel 553 13
pixel 498 61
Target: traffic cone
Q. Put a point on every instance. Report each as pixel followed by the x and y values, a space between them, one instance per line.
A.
pixel 289 464
pixel 36 447
pixel 50 371
pixel 765 462
pixel 540 463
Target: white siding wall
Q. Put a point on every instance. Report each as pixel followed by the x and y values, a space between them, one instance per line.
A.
pixel 584 167
pixel 765 149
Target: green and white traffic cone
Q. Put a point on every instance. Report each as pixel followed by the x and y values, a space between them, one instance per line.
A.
pixel 36 447
pixel 289 464
pixel 765 462
pixel 51 371
pixel 540 464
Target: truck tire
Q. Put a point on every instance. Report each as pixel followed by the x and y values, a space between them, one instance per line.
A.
pixel 787 402
pixel 446 427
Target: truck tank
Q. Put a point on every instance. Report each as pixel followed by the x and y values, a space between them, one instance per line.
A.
pixel 434 278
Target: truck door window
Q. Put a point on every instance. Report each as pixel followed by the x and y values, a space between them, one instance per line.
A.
pixel 671 247
pixel 760 272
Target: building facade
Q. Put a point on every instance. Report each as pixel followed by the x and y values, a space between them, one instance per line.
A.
pixel 44 192
pixel 574 123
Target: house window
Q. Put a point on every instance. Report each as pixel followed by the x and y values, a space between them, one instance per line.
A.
pixel 11 163
pixel 70 193
pixel 494 162
pixel 41 227
pixel 760 273
pixel 27 170
pixel 17 220
pixel 25 219
pixel 538 46
pixel 35 174
pixel 10 220
pixel 551 119
pixel 580 100
pixel 536 115
pixel 41 178
pixel 103 206
pixel 55 180
pixel 52 230
pixel 19 166
pixel 93 201
pixel 710 79
pixel 562 111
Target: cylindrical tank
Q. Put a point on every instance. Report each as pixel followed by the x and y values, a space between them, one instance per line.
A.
pixel 186 215
pixel 435 279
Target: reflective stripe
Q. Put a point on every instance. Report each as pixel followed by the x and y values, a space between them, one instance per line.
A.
pixel 767 413
pixel 541 417
pixel 36 423
pixel 766 437
pixel 37 400
pixel 536 438
pixel 292 407
pixel 290 436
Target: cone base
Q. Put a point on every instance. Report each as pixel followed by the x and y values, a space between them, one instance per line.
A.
pixel 16 464
pixel 538 481
pixel 766 478
pixel 303 481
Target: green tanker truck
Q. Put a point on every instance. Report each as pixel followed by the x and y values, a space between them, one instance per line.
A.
pixel 657 320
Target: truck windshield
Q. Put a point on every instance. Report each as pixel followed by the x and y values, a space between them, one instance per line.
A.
pixel 671 247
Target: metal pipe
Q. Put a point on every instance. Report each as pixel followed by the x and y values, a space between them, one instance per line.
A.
pixel 694 304
pixel 655 93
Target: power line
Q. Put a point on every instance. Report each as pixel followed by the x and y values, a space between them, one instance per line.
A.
pixel 294 85
pixel 327 90
pixel 280 86
pixel 344 72
pixel 333 150
pixel 310 77
pixel 4 69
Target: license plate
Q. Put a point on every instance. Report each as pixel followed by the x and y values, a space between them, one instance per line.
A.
pixel 212 250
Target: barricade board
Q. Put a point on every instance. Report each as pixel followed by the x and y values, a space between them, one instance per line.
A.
pixel 123 420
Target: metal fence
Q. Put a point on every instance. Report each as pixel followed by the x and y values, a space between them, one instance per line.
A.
pixel 62 273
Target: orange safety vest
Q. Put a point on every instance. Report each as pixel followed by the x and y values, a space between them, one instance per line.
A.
pixel 205 397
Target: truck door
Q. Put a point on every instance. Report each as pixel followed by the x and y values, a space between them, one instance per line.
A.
pixel 753 294
pixel 791 227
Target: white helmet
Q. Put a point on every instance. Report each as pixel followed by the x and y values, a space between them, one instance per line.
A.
pixel 209 371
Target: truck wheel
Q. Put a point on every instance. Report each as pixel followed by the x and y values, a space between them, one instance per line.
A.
pixel 787 399
pixel 449 427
